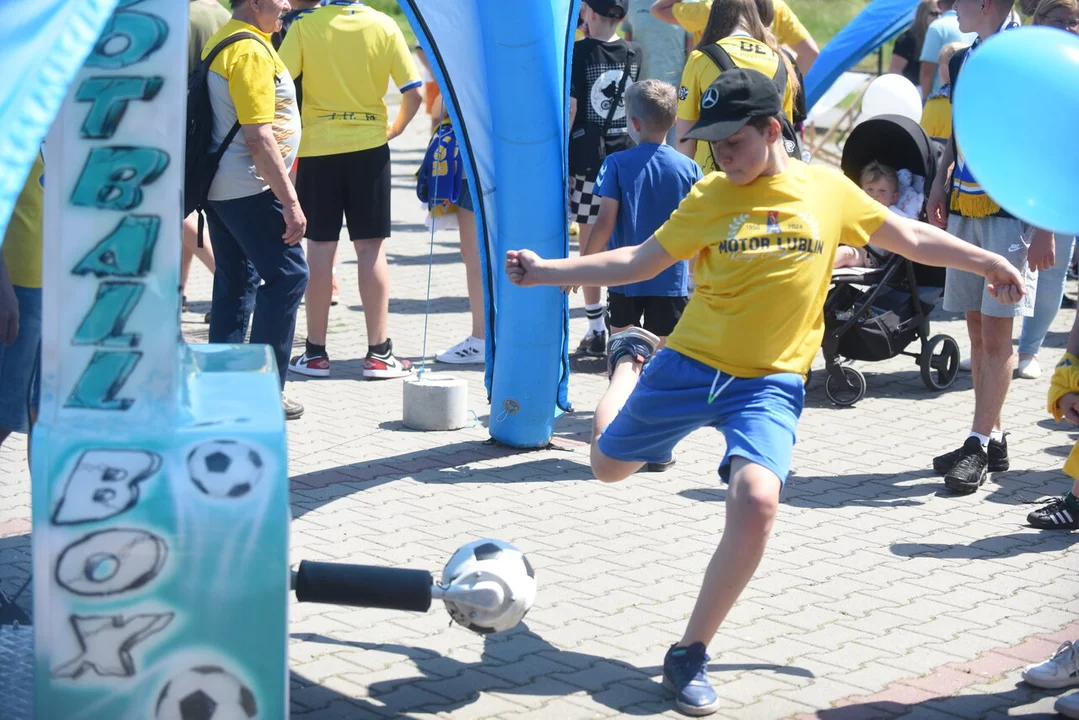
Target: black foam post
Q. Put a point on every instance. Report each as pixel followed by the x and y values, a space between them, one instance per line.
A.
pixel 363 586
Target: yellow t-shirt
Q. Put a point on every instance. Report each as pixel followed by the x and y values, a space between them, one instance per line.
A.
pixel 937 117
pixel 764 263
pixel 700 72
pixel 693 16
pixel 346 53
pixel 249 84
pixel 23 237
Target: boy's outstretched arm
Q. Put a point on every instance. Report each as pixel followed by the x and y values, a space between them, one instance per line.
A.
pixel 623 266
pixel 929 245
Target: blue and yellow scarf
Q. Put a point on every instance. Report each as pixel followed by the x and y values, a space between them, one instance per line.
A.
pixel 968 197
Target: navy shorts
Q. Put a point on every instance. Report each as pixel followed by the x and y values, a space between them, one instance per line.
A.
pixel 677 395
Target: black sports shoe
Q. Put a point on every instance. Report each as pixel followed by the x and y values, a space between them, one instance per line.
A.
pixel 970 470
pixel 998 457
pixel 659 467
pixel 593 345
pixel 1057 515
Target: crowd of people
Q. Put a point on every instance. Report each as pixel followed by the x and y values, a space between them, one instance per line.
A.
pixel 694 207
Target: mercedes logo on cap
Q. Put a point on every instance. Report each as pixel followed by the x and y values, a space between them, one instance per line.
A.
pixel 710 99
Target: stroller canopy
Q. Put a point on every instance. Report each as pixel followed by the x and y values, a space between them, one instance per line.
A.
pixel 894 140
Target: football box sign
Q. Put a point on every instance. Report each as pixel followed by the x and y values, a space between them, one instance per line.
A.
pixel 160 490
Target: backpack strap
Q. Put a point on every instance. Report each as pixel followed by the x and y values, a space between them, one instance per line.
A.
pixel 618 94
pixel 717 54
pixel 205 69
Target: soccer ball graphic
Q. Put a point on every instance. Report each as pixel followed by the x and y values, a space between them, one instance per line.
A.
pixel 495 564
pixel 225 468
pixel 206 692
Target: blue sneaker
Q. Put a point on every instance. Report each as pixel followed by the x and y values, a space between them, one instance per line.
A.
pixel 636 343
pixel 685 671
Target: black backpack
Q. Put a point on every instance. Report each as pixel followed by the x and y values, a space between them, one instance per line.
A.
pixel 792 143
pixel 200 165
pixel 588 141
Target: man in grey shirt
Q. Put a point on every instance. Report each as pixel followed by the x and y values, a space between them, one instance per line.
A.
pixel 664 45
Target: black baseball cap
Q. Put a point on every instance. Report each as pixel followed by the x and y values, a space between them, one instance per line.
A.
pixel 608 8
pixel 733 100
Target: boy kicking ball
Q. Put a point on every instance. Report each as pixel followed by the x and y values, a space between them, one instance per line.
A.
pixel 765 232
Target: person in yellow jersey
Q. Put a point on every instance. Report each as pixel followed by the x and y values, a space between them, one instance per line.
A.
pixel 787 28
pixel 736 27
pixel 345 54
pixel 937 112
pixel 20 307
pixel 766 230
pixel 255 219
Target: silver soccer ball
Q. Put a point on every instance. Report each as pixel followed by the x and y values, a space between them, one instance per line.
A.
pixel 488 586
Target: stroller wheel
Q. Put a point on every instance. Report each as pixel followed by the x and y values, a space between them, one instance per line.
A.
pixel 848 390
pixel 939 362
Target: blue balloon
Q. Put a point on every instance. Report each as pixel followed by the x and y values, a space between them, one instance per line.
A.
pixel 1017 94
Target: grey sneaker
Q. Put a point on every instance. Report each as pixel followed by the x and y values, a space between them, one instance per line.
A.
pixel 636 343
pixel 293 410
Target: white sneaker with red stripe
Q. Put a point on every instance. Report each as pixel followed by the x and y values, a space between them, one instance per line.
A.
pixel 310 365
pixel 385 367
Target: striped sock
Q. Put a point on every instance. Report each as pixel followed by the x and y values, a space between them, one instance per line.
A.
pixel 594 313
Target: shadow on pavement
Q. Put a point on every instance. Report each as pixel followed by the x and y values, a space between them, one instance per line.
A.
pixel 996 706
pixel 520 662
pixel 992 548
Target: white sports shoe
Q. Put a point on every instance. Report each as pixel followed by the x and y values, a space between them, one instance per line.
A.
pixel 1029 369
pixel 467 352
pixel 1068 705
pixel 1059 671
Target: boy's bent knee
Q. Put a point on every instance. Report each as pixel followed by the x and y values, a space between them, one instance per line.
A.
pixel 754 491
pixel 607 469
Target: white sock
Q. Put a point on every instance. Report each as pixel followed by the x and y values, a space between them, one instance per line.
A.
pixel 983 439
pixel 595 317
pixel 997 436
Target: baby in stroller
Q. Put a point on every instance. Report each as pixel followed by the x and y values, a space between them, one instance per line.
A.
pixel 875 314
pixel 901 191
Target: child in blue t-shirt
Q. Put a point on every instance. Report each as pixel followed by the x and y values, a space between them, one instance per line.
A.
pixel 639 189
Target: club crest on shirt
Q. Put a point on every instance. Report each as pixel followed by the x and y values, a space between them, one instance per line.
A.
pixel 773 222
pixel 683 92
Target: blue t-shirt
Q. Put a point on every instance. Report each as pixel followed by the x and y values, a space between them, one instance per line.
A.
pixel 648 181
pixel 943 31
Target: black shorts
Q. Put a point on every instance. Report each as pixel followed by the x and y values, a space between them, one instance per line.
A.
pixel 354 185
pixel 660 313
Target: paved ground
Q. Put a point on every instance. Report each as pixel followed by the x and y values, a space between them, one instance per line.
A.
pixel 879 597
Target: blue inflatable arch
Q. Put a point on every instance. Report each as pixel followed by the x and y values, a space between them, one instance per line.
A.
pixel 878 23
pixel 506 78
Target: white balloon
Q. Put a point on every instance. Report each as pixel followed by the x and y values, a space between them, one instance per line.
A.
pixel 892 94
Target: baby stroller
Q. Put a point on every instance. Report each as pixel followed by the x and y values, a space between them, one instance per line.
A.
pixel 874 315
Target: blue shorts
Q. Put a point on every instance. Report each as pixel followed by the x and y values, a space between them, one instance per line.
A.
pixel 19 364
pixel 757 416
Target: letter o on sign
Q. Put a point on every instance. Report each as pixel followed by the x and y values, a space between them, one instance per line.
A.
pixel 111 562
